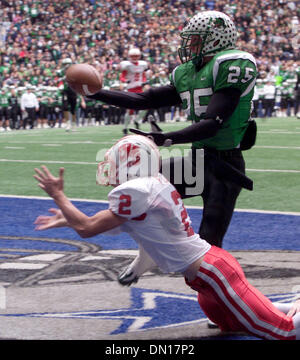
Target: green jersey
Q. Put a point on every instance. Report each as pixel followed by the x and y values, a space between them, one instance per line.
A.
pixel 229 68
pixel 44 97
pixel 287 89
pixel 4 99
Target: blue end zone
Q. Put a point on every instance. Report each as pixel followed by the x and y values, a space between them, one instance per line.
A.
pixel 247 231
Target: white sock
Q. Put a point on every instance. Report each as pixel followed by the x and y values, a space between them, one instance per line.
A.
pixel 296 321
pixel 141 115
pixel 142 263
pixel 126 121
pixel 283 307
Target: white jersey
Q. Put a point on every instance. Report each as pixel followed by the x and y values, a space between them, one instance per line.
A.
pixel 158 221
pixel 133 73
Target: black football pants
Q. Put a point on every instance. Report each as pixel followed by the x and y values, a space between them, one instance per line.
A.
pixel 219 194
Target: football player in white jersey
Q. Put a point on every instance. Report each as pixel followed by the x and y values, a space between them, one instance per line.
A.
pixel 133 75
pixel 148 207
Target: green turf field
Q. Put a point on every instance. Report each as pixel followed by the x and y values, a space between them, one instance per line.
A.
pixel 273 164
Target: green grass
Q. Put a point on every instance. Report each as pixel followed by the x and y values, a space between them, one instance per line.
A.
pixel 277 148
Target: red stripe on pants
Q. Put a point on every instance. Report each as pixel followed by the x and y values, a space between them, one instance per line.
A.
pixel 229 300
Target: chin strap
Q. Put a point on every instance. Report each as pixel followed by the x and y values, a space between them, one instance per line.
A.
pixel 198 62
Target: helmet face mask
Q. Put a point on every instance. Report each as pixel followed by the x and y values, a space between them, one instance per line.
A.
pixel 105 173
pixel 215 32
pixel 131 157
pixel 66 63
pixel 191 46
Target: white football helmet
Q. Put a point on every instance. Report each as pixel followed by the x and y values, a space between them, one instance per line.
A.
pixel 134 54
pixel 66 63
pixel 206 34
pixel 131 157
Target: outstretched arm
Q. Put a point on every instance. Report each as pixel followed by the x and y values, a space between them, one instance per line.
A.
pixel 44 222
pixel 153 98
pixel 85 226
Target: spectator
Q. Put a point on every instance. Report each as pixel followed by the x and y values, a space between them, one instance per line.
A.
pixel 15 111
pixel 269 99
pixel 4 109
pixel 37 37
pixel 29 103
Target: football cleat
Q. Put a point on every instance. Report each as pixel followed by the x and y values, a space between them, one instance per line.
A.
pixel 154 127
pixel 211 324
pixel 127 277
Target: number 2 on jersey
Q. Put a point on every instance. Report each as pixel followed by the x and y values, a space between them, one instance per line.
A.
pixel 124 205
pixel 189 230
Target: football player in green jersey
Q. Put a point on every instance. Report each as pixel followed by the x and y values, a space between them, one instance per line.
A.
pixel 297 94
pixel 69 98
pixel 4 109
pixel 214 85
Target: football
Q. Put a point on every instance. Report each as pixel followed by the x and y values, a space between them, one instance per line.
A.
pixel 84 79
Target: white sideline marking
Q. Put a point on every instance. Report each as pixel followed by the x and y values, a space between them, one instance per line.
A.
pixel 187 206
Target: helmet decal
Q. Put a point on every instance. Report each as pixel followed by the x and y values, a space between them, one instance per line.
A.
pixel 131 157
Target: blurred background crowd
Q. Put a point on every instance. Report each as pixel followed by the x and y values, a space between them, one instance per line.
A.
pixel 36 36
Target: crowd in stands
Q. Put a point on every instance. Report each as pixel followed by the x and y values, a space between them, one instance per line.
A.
pixel 36 36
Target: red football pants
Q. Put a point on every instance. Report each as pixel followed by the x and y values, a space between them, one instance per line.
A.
pixel 231 302
pixel 137 90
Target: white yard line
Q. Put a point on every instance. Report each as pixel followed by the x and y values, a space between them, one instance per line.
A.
pixel 95 163
pixel 274 170
pixel 14 147
pixel 49 162
pixel 277 147
pixel 86 142
pixel 279 132
pixel 90 142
